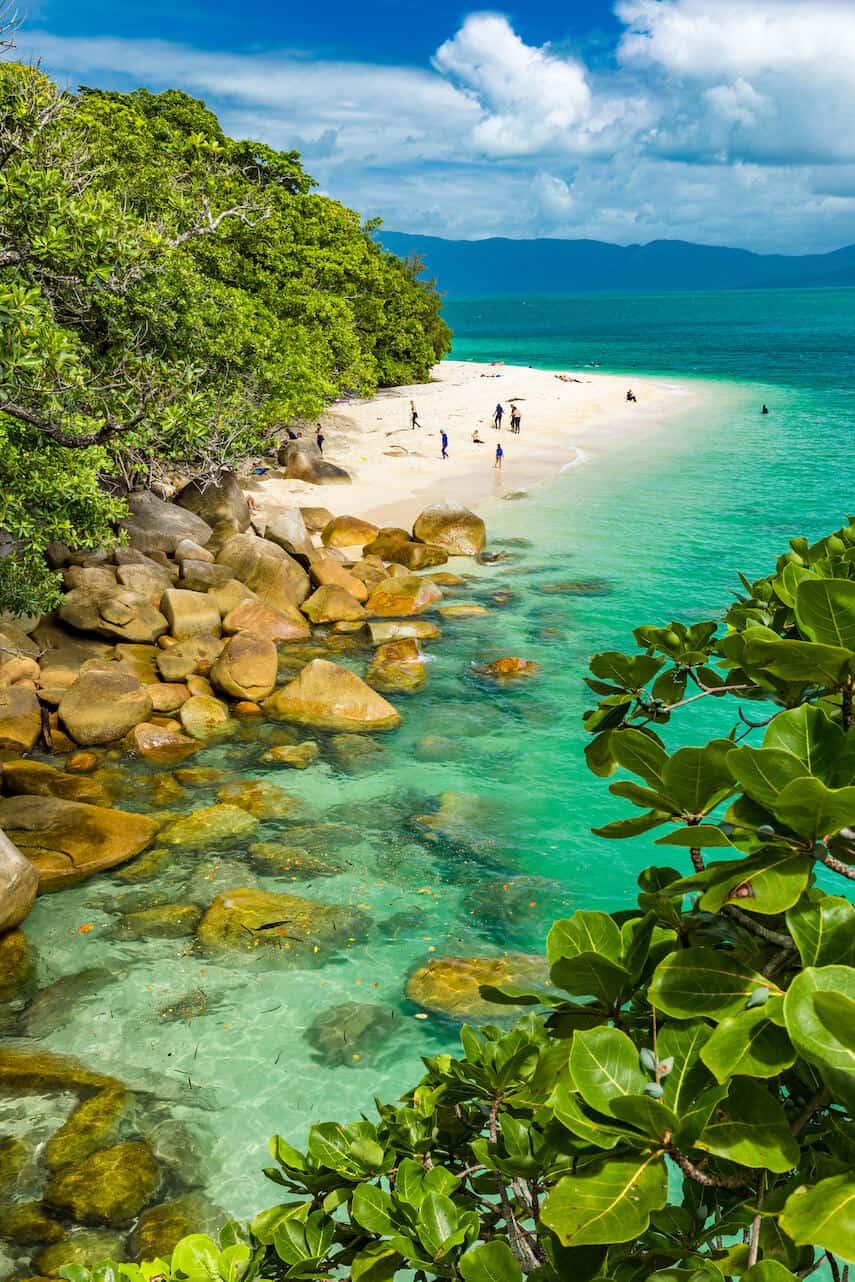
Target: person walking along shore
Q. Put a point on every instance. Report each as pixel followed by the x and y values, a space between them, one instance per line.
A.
pixel 414 415
pixel 500 454
pixel 444 441
pixel 498 415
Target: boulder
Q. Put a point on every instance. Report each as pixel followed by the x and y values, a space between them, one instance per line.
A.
pixel 267 622
pixel 146 580
pixel 332 604
pixel 110 1187
pixel 114 612
pixel 231 595
pixel 188 550
pixel 274 576
pixel 62 661
pixel 402 595
pixel 209 826
pixel 450 986
pixel 29 1224
pixel 370 571
pixel 292 861
pixel 168 696
pixel 20 718
pixel 404 551
pixel 330 697
pixel 161 1228
pixel 92 1125
pixel 139 660
pixel 83 763
pixel 102 707
pixel 287 529
pixel 398 629
pixel 39 1072
pixel 350 1033
pixel 166 921
pixel 259 798
pixel 472 823
pixel 196 655
pixel 316 518
pixel 354 753
pixel 156 526
pixel 203 716
pixel 19 881
pixel 36 779
pixel 219 501
pixel 508 669
pixel 160 746
pixel 16 643
pixel 348 532
pixel 451 526
pixel 68 841
pixel 200 776
pixel 201 576
pixel 463 611
pixel 84 1248
pixel 327 572
pixel 397 665
pixel 95 577
pixel 190 614
pixel 303 461
pixel 297 755
pixel 247 919
pixel 246 667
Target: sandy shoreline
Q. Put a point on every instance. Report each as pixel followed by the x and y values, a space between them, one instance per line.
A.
pixel 397 471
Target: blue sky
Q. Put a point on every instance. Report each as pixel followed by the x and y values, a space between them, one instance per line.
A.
pixel 722 121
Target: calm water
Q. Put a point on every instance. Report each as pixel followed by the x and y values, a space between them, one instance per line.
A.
pixel 660 531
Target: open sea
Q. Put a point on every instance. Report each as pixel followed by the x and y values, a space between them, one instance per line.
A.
pixel 654 532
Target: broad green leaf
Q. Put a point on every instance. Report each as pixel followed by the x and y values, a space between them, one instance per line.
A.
pixel 703 981
pixel 490 1262
pixel 808 1033
pixel 634 827
pixel 376 1262
pixel 197 1256
pixel 814 811
pixel 604 1065
pixel 823 931
pixel 750 1127
pixel 637 752
pixel 590 975
pixel 769 1271
pixel 567 1109
pixel 837 1013
pixel 437 1222
pixel 763 772
pixel 629 671
pixel 698 778
pixel 768 882
pixel 748 1044
pixel 801 661
pixel 825 611
pixel 684 1043
pixel 650 1116
pixel 610 1200
pixel 645 798
pixel 599 756
pixel 823 1215
pixel 266 1223
pixel 373 1208
pixel 584 932
pixel 809 735
pixel 696 836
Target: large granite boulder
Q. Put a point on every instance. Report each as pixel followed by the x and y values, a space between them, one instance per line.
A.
pixel 332 604
pixel 316 518
pixel 451 986
pixel 266 622
pixel 395 546
pixel 230 595
pixel 210 826
pixel 68 841
pixel 36 779
pixel 330 697
pixel 19 881
pixel 303 461
pixel 20 718
pixel 247 919
pixel 103 706
pixel 91 1126
pixel 287 529
pixel 219 501
pixel 110 1187
pixel 350 1033
pixel 274 576
pixel 94 577
pixel 139 660
pixel 348 532
pixel 156 526
pixel 398 629
pixel 370 571
pixel 246 668
pixel 451 526
pixel 402 595
pixel 327 572
pixel 397 666
pixel 145 580
pixel 63 658
pixel 160 745
pixel 115 612
pixel 203 716
pixel 202 576
pixel 197 655
pixel 190 614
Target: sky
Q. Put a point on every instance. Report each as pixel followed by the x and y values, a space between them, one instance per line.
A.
pixel 718 121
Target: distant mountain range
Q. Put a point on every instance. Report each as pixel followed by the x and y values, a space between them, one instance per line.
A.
pixel 497 266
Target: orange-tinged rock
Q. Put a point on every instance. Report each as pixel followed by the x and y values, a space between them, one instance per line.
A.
pixel 245 708
pixel 330 697
pixel 160 746
pixel 462 611
pixel 347 532
pixel 398 665
pixel 247 919
pixel 267 622
pixel 246 669
pixel 258 797
pixel 332 604
pixel 508 669
pixel 402 595
pixel 452 526
pixel 69 841
pixel 82 763
pixel 451 986
pixel 328 572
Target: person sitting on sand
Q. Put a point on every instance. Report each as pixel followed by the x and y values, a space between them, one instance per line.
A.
pixel 500 454
pixel 476 439
pixel 414 415
pixel 444 441
pixel 498 415
pixel 630 396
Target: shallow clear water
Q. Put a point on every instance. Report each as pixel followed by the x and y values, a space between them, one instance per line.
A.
pixel 659 531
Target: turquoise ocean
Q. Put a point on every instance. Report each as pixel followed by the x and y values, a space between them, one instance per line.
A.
pixel 652 532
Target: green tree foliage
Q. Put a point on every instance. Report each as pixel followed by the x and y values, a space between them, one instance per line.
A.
pixel 168 294
pixel 679 1104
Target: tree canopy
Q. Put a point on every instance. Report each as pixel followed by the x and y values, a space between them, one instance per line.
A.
pixel 168 294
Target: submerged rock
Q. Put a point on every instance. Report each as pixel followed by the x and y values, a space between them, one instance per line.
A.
pixel 110 1187
pixel 68 841
pixel 508 669
pixel 402 595
pixel 292 861
pixel 576 587
pixel 29 1224
pixel 247 919
pixel 84 1247
pixel 355 753
pixel 468 821
pixel 93 1124
pixel 259 797
pixel 38 1072
pixel 451 986
pixel 398 666
pixel 462 611
pixel 160 1229
pixel 330 697
pixel 56 1005
pixel 350 1034
pixel 167 921
pixel 16 965
pixel 210 826
pixel 297 755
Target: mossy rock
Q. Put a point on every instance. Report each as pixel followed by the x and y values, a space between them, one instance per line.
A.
pixel 86 1247
pixel 451 986
pixel 29 1223
pixel 292 861
pixel 161 1228
pixel 245 919
pixel 259 798
pixel 350 1034
pixel 110 1187
pixel 210 826
pixel 93 1123
pixel 167 921
pixel 145 866
pixel 37 1072
pixel 16 964
pixel 15 1155
pixel 55 1005
pixel 354 753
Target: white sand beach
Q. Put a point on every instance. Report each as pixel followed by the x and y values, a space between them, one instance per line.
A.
pixel 396 471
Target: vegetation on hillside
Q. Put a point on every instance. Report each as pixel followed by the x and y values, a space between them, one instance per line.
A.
pixel 680 1103
pixel 167 294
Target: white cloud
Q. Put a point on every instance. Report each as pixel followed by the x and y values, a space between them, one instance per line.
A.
pixel 718 120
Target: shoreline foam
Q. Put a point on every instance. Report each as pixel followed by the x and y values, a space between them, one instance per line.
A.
pixel 563 423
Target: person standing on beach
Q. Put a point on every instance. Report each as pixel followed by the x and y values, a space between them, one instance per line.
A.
pixel 444 439
pixel 500 454
pixel 414 415
pixel 516 418
pixel 319 438
pixel 498 416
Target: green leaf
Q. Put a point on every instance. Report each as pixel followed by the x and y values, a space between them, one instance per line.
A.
pixel 809 735
pixel 490 1262
pixel 837 1013
pixel 823 1215
pixel 373 1208
pixel 604 1065
pixel 809 1034
pixel 266 1223
pixel 703 981
pixel 698 778
pixel 584 932
pixel 633 827
pixel 197 1256
pixel 697 836
pixel 823 931
pixel 814 811
pixel 825 611
pixel 769 1271
pixel 641 754
pixel 609 1201
pixel 689 1077
pixel 764 772
pixel 590 976
pixel 569 1113
pixel 748 1044
pixel 768 882
pixel 800 661
pixel 751 1128
pixel 437 1222
pixel 376 1262
pixel 650 1116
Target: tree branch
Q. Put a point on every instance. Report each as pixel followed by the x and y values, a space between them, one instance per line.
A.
pixel 757 927
pixel 703 1177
